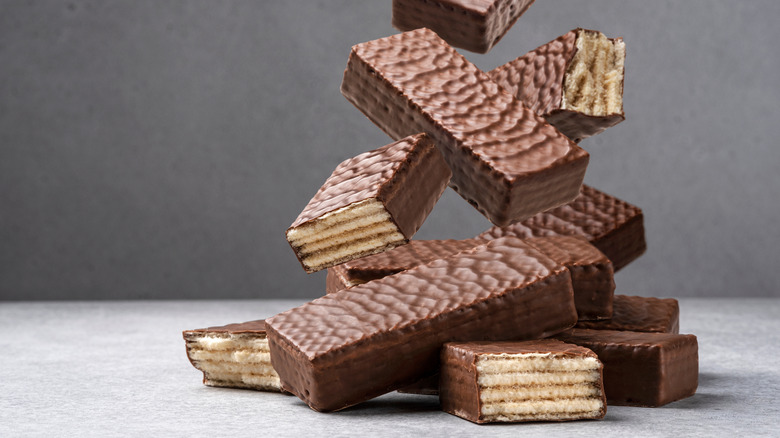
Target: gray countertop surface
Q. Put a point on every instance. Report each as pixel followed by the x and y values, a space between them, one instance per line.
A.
pixel 119 368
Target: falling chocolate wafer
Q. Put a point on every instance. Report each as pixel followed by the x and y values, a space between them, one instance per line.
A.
pixel 574 81
pixel 371 203
pixel 475 25
pixel 506 161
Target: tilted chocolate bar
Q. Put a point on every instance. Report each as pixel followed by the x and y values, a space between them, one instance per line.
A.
pixel 642 369
pixel 374 267
pixel 475 25
pixel 233 356
pixel 574 81
pixel 546 380
pixel 640 314
pixel 613 226
pixel 506 161
pixel 359 343
pixel 371 203
pixel 591 271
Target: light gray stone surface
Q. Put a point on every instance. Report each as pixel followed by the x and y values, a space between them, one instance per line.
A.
pixel 160 148
pixel 120 369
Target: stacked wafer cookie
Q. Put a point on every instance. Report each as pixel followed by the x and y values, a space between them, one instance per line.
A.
pixel 521 322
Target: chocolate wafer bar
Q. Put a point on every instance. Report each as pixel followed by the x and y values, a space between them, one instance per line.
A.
pixel 546 380
pixel 642 369
pixel 371 203
pixel 359 343
pixel 613 226
pixel 639 314
pixel 233 356
pixel 475 25
pixel 506 161
pixel 574 81
pixel 591 271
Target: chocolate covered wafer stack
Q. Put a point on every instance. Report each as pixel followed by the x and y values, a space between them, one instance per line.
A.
pixel 470 320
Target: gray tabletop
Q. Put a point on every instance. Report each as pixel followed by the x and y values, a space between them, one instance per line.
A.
pixel 120 368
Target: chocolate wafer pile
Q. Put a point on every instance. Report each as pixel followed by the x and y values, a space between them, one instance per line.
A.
pixel 520 323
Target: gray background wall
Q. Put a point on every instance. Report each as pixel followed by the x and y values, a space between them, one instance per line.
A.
pixel 159 149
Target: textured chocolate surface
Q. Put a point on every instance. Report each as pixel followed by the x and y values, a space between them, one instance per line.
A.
pixel 537 78
pixel 459 385
pixel 362 342
pixel 613 226
pixel 591 271
pixel 640 314
pixel 592 275
pixel 506 161
pixel 475 25
pixel 408 177
pixel 642 369
pixel 373 267
pixel 257 326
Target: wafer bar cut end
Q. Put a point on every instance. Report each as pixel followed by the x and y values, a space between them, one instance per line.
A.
pixel 543 380
pixel 593 84
pixel 574 81
pixel 472 25
pixel 233 356
pixel 371 203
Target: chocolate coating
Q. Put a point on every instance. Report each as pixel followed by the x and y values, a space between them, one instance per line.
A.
pixel 639 314
pixel 613 226
pixel 506 161
pixel 475 25
pixel 591 271
pixel 642 369
pixel 537 78
pixel 459 388
pixel 257 326
pixel 359 343
pixel 373 267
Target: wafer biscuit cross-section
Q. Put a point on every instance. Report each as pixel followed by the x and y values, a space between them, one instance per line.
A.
pixel 521 381
pixel 234 356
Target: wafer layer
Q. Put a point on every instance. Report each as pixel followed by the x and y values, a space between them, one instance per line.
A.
pixel 235 356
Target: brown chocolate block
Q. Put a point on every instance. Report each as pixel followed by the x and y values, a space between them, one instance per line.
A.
pixel 371 203
pixel 642 369
pixel 359 343
pixel 475 25
pixel 546 380
pixel 506 161
pixel 639 314
pixel 233 356
pixel 613 226
pixel 574 81
pixel 374 267
pixel 591 271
